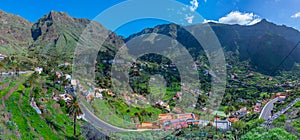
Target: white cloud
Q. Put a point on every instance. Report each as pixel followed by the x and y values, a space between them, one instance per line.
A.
pixel 206 21
pixel 237 17
pixel 296 15
pixel 194 5
pixel 189 19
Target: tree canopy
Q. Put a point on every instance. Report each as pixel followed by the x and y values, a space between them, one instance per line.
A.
pixel 272 134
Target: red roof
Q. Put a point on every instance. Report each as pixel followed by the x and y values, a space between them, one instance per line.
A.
pixel 282 96
pixel 217 118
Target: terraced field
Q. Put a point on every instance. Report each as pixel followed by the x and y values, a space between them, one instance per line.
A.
pixel 5 124
pixel 18 120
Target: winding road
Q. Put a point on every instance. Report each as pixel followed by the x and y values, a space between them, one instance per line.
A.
pixel 94 120
pixel 270 119
pixel 104 126
pixel 266 111
pixel 13 73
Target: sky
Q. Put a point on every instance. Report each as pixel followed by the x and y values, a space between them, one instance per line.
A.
pixel 243 12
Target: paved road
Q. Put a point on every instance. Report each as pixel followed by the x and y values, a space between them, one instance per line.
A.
pixel 12 73
pixel 94 120
pixel 104 126
pixel 266 111
pixel 277 114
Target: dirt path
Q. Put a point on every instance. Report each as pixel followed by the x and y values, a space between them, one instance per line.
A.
pixel 5 85
pixel 10 93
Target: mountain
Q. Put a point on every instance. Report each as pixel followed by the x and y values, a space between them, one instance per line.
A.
pixel 265 45
pixel 15 33
pixel 59 31
pixel 55 32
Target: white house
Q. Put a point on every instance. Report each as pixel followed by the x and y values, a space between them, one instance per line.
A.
pixel 38 70
pixel 68 77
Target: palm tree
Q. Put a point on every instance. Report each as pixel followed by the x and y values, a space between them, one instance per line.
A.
pixel 33 81
pixel 60 81
pixel 2 66
pixel 18 68
pixel 74 109
pixel 65 82
pixel 53 76
pixel 14 66
pixel 227 110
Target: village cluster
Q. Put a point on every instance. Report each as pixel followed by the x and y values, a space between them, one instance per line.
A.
pixel 165 121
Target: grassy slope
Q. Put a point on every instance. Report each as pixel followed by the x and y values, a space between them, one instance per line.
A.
pixel 28 123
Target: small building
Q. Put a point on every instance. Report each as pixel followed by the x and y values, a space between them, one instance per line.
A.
pixel 65 97
pixel 67 64
pixel 177 95
pixel 270 78
pixel 203 122
pixel 59 74
pixel 74 82
pixel 241 113
pixel 2 56
pixel 90 97
pixel 38 70
pixel 110 93
pixel 185 116
pixel 249 75
pixel 281 98
pixel 222 124
pixel 165 116
pixel 177 110
pixel 148 125
pixel 68 77
pixel 70 90
pixel 99 95
pixel 288 91
pixel 257 108
pixel 231 120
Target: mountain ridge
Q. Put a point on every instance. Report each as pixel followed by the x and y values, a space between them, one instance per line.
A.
pixel 264 44
pixel 58 32
pixel 14 32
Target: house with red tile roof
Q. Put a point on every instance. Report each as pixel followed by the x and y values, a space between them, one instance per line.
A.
pixel 257 108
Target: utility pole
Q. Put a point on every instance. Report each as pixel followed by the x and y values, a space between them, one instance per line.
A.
pixel 216 124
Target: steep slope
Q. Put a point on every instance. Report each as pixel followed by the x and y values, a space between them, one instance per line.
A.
pixel 58 34
pixel 264 44
pixel 176 32
pixel 15 33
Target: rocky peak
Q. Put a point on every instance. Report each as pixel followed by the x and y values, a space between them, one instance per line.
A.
pixel 281 30
pixel 264 22
pixel 50 24
pixel 60 17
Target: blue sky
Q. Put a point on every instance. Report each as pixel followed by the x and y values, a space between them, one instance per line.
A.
pixel 244 12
